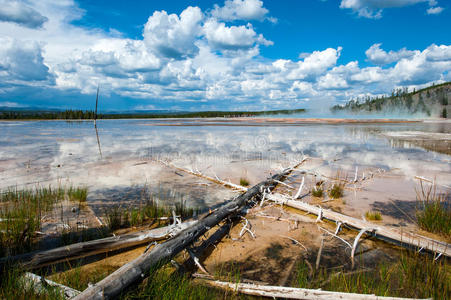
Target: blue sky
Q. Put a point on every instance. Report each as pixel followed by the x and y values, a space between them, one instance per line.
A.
pixel 228 55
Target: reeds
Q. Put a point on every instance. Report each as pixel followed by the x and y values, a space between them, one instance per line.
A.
pixel 336 191
pixel 14 286
pixel 411 275
pixel 21 212
pixel 150 211
pixel 433 211
pixel 373 215
pixel 317 192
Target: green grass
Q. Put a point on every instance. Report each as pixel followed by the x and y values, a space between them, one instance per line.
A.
pixel 434 215
pixel 413 276
pixel 79 279
pixel 244 182
pixel 21 211
pixel 14 286
pixel 78 194
pixel 163 284
pixel 336 191
pixel 433 210
pixel 317 192
pixel 373 215
pixel 148 212
pixel 20 214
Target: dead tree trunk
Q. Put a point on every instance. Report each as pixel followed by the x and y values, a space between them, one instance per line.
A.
pixel 78 250
pixel 136 270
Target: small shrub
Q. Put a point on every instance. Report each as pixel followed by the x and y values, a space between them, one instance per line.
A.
pixel 244 182
pixel 336 191
pixel 373 215
pixel 317 192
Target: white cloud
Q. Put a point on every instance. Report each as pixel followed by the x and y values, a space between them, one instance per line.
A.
pixel 220 36
pixel 380 57
pixel 315 64
pixel 21 60
pixel 173 36
pixel 241 10
pixel 434 10
pixel 372 9
pixel 20 13
pixel 194 57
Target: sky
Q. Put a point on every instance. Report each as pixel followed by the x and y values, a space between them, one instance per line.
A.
pixel 218 55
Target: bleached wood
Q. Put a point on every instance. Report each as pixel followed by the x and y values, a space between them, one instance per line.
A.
pixel 402 238
pixel 294 293
pixel 134 271
pixel 83 249
pixel 356 242
pixel 39 283
pixel 300 189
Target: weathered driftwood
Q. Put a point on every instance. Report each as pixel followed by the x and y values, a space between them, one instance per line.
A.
pixel 405 239
pixel 200 251
pixel 293 293
pixel 134 271
pixel 83 249
pixel 39 285
pixel 199 174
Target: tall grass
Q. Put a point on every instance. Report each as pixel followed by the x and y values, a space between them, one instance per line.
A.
pixel 14 286
pixel 164 285
pixel 413 276
pixel 21 212
pixel 433 211
pixel 79 194
pixel 336 191
pixel 150 211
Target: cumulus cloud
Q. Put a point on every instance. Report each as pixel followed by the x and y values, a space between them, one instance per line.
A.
pixel 378 56
pixel 195 60
pixel 234 37
pixel 173 36
pixel 314 64
pixel 21 60
pixel 241 10
pixel 21 14
pixel 372 9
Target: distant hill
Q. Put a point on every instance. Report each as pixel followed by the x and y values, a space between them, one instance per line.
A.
pixel 433 101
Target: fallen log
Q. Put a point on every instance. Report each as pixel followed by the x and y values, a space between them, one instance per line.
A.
pixel 42 258
pixel 293 293
pixel 40 284
pixel 134 271
pixel 404 239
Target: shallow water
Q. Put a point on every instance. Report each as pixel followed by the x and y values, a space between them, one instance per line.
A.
pixel 44 151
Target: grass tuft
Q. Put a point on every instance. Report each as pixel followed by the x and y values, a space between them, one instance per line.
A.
pixel 244 182
pixel 336 191
pixel 410 276
pixel 21 212
pixel 373 215
pixel 150 212
pixel 317 192
pixel 433 211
